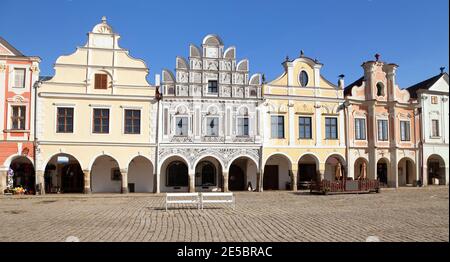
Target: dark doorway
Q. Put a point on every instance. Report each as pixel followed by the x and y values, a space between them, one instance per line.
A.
pixel 270 181
pixel 236 180
pixel 24 175
pixel 433 171
pixel 177 175
pixel 72 179
pixel 382 173
pixel 307 172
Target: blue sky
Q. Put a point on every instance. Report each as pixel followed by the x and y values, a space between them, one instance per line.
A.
pixel 341 34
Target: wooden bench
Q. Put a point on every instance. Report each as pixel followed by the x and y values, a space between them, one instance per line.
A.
pixel 183 198
pixel 208 197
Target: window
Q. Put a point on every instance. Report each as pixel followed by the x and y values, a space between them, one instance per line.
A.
pixel 382 130
pixel 434 99
pixel 405 131
pixel 101 121
pixel 101 81
pixel 212 126
pixel 19 77
pixel 435 128
pixel 64 120
pixel 243 126
pixel 304 126
pixel 18 117
pixel 181 128
pixel 212 86
pixel 132 121
pixel 303 78
pixel 331 128
pixel 380 89
pixel 177 174
pixel 360 129
pixel 277 124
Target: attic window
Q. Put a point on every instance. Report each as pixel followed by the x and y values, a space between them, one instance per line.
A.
pixel 380 89
pixel 303 78
pixel 434 100
pixel 101 81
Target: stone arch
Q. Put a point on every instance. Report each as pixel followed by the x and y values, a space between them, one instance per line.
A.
pixel 23 172
pixel 242 173
pixel 406 171
pixel 140 173
pixel 358 167
pixel 436 170
pixel 174 163
pixel 277 172
pixel 383 170
pixel 11 158
pixel 106 175
pixel 211 163
pixel 308 168
pixel 333 163
pixel 63 174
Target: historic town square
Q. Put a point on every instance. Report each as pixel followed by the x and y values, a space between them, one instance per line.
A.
pixel 156 122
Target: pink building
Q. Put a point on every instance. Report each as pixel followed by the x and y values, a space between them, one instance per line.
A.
pixel 383 127
pixel 18 73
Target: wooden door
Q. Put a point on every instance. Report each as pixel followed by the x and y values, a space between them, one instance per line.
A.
pixel 270 181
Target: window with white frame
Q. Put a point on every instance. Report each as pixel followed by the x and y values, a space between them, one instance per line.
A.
pixel 212 126
pixel 331 128
pixel 405 134
pixel 277 126
pixel 360 128
pixel 382 130
pixel 435 128
pixel 64 122
pixel 305 127
pixel 19 77
pixel 100 121
pixel 242 126
pixel 18 117
pixel 132 121
pixel 181 126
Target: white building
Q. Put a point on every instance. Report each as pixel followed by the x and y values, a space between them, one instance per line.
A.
pixel 432 95
pixel 209 132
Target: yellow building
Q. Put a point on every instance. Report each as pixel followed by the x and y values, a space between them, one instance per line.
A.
pixel 304 138
pixel 96 121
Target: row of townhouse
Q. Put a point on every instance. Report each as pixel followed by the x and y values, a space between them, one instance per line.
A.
pixel 97 125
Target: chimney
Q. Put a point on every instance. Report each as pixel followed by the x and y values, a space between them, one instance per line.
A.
pixel 341 83
pixel 158 80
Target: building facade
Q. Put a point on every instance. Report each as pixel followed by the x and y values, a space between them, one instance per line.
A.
pixel 432 96
pixel 306 138
pixel 383 127
pixel 18 73
pixel 96 121
pixel 209 130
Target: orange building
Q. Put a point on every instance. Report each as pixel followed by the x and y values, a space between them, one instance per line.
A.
pixel 18 73
pixel 383 127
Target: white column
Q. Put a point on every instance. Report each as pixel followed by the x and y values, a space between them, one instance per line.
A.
pixel 192 183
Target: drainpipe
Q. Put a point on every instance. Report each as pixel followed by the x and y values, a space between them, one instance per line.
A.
pixel 158 97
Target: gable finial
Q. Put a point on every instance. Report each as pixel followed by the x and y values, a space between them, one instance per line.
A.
pixel 442 69
pixel 104 19
pixel 302 54
pixel 377 57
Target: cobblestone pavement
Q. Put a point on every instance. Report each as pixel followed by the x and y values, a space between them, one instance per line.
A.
pixel 406 214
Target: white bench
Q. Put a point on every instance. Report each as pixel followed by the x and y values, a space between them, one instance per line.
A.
pixel 206 198
pixel 183 198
